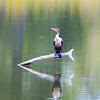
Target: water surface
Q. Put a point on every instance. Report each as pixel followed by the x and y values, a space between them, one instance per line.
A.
pixel 25 33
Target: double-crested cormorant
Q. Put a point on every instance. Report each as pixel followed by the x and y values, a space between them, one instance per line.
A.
pixel 58 42
pixel 56 89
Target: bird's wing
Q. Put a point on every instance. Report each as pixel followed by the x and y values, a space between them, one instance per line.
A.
pixel 62 42
pixel 68 80
pixel 41 75
pixel 54 42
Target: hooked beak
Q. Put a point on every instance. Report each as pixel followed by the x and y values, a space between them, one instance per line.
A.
pixel 53 29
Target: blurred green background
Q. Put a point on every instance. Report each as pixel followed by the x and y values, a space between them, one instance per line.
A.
pixel 25 33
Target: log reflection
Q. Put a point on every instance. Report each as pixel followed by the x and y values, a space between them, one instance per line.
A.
pixel 56 79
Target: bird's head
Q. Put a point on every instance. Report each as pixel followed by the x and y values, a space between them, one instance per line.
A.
pixel 57 77
pixel 56 30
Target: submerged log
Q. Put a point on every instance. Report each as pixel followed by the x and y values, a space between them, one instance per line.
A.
pixel 47 57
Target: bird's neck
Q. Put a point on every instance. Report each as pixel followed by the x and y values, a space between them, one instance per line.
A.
pixel 57 35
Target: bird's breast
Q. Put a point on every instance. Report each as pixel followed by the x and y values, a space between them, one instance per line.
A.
pixel 58 43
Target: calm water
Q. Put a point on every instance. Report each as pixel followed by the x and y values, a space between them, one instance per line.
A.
pixel 25 33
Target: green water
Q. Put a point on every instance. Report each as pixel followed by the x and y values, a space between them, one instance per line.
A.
pixel 25 33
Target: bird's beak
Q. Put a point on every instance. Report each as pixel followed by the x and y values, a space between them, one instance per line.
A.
pixel 53 29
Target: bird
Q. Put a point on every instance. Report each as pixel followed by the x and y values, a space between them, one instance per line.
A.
pixel 57 42
pixel 56 89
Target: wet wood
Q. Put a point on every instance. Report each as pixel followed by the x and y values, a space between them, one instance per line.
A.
pixel 47 57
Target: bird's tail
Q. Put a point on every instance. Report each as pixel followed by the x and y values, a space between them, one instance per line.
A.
pixel 70 54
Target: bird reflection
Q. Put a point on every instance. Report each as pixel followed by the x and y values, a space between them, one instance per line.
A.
pixel 56 79
pixel 56 89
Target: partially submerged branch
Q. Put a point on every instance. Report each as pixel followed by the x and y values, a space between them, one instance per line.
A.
pixel 47 57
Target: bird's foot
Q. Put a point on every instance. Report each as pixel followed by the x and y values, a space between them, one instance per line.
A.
pixel 58 55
